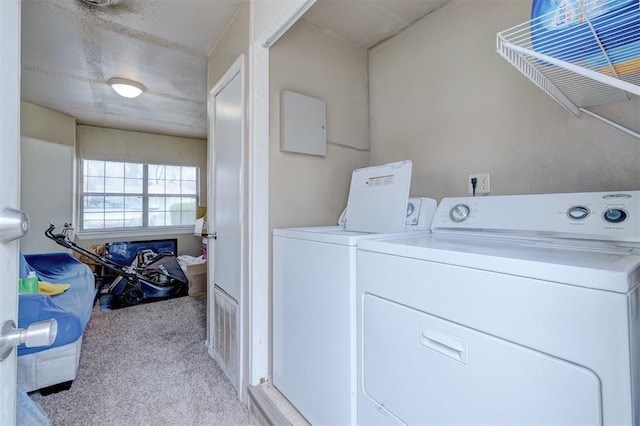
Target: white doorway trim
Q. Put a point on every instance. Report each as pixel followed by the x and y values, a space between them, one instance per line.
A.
pixel 259 234
pixel 236 69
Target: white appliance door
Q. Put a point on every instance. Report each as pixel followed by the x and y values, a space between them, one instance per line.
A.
pixel 9 175
pixel 425 370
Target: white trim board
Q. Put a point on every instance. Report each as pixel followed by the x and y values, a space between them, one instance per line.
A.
pixel 259 319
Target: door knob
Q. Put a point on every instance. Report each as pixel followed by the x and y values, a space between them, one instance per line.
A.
pixel 14 224
pixel 42 333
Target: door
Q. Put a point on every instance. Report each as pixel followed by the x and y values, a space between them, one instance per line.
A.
pixel 227 189
pixel 226 302
pixel 9 181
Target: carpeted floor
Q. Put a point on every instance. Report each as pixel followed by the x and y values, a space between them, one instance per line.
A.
pixel 148 365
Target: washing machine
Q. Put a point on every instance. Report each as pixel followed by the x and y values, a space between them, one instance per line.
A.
pixel 314 323
pixel 514 310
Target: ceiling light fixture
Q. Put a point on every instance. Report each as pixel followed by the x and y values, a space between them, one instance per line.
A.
pixel 126 88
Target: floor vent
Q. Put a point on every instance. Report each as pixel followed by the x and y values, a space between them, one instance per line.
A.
pixel 225 342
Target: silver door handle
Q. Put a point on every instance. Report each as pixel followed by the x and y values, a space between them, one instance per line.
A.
pixel 42 333
pixel 14 224
pixel 213 236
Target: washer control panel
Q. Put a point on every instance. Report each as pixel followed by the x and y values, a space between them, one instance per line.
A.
pixel 610 216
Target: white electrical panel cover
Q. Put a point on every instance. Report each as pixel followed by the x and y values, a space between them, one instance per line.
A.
pixel 303 124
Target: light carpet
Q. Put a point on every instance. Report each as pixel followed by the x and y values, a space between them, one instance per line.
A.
pixel 148 365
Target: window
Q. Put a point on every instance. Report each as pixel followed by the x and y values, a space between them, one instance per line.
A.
pixel 118 195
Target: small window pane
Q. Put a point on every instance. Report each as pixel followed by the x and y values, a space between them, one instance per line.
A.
pixel 114 203
pixel 133 186
pixel 172 186
pixel 133 170
pixel 94 202
pixel 156 218
pixel 94 168
pixel 188 187
pixel 174 203
pixel 156 187
pixel 133 203
pixel 156 173
pixel 173 172
pixel 113 169
pixel 189 173
pixel 95 184
pixel 156 204
pixel 113 184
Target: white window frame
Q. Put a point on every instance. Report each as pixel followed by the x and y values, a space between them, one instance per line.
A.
pixel 144 230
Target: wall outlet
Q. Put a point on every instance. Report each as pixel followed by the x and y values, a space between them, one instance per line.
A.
pixel 483 185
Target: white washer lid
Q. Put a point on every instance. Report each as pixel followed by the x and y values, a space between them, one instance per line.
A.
pixel 600 266
pixel 378 198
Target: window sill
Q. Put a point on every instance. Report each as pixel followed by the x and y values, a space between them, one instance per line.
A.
pixel 96 235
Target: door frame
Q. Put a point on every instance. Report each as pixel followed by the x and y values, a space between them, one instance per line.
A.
pixel 236 69
pixel 258 196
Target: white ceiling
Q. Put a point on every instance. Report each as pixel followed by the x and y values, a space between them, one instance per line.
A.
pixel 70 49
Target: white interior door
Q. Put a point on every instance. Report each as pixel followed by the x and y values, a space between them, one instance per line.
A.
pixel 9 179
pixel 227 188
pixel 226 331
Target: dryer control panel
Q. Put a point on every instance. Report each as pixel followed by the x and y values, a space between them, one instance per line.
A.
pixel 605 216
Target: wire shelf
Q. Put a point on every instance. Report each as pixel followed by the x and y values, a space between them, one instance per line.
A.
pixel 584 53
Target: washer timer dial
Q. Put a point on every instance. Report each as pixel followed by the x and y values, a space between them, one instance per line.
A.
pixel 578 212
pixel 459 213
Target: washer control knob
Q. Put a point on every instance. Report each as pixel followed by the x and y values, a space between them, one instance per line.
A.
pixel 614 215
pixel 578 212
pixel 459 213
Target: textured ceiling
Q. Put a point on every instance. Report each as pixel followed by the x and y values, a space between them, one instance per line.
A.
pixel 70 49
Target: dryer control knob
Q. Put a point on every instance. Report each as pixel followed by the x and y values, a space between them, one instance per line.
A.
pixel 615 215
pixel 459 213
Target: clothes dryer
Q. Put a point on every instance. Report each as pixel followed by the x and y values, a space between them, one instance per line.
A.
pixel 515 310
pixel 314 324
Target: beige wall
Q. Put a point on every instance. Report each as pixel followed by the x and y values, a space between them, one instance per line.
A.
pixel 308 190
pixel 122 145
pixel 233 43
pixel 442 97
pixel 47 125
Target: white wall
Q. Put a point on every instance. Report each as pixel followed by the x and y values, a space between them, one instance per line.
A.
pixel 442 97
pixel 47 190
pixel 309 190
pixel 46 184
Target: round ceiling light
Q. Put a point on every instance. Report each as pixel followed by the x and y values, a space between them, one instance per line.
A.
pixel 126 88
